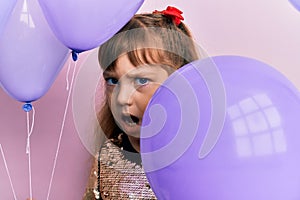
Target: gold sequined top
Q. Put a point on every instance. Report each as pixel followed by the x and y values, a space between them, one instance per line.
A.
pixel 121 176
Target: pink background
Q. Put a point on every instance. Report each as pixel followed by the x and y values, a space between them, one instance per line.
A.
pixel 265 30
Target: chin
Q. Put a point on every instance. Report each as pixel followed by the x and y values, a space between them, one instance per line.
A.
pixel 133 134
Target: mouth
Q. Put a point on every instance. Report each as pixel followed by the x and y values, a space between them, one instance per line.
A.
pixel 131 120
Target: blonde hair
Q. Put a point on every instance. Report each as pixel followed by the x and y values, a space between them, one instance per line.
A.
pixel 146 39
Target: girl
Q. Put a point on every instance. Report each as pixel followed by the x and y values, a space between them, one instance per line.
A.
pixel 135 62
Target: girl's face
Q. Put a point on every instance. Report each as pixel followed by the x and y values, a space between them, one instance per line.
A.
pixel 129 90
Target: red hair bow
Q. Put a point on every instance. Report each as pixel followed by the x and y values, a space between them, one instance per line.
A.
pixel 173 13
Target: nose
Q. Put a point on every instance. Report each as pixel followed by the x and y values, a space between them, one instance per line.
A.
pixel 124 94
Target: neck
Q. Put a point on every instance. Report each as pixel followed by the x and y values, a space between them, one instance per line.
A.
pixel 135 142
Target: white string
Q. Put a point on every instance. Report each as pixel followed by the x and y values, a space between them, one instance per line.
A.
pixel 61 130
pixel 67 75
pixel 7 171
pixel 29 132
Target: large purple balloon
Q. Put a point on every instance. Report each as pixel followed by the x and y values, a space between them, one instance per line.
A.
pixel 83 25
pixel 30 55
pixel 5 9
pixel 256 155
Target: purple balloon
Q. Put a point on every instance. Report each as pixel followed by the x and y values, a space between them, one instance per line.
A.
pixel 83 25
pixel 73 163
pixel 30 54
pixel 5 10
pixel 256 155
pixel 296 4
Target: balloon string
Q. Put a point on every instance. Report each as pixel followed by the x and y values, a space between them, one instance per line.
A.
pixel 29 132
pixel 29 129
pixel 8 174
pixel 61 130
pixel 67 75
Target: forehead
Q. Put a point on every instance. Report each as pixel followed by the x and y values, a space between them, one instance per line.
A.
pixel 123 67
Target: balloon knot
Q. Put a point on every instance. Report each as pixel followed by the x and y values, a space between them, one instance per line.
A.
pixel 75 54
pixel 27 107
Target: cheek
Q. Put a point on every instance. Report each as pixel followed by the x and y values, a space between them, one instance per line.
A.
pixel 142 103
pixel 109 98
pixel 143 98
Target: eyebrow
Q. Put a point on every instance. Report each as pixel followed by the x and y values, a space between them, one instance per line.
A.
pixel 108 73
pixel 138 71
pixel 141 71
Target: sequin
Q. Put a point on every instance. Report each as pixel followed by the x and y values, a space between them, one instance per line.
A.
pixel 120 178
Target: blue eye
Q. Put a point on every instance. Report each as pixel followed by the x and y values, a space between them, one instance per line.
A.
pixel 111 81
pixel 141 81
